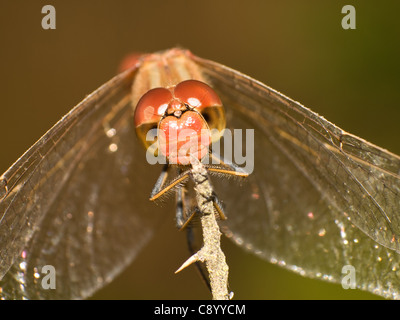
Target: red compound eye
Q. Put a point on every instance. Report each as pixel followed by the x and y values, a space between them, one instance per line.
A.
pixel 152 106
pixel 197 95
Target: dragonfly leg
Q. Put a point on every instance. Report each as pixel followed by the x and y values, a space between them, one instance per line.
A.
pixel 160 182
pixel 180 220
pixel 218 207
pixel 225 167
pixel 186 222
pixel 160 189
pixel 182 217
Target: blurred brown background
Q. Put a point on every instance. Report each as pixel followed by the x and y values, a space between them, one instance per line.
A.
pixel 297 47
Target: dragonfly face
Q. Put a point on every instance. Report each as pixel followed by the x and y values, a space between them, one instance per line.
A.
pixel 179 113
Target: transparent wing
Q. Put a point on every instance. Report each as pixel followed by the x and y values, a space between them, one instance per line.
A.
pixel 73 201
pixel 319 198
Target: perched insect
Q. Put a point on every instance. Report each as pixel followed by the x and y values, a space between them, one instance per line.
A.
pixel 318 198
pixel 178 115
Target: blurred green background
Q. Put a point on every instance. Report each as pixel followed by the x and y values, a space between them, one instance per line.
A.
pixel 351 77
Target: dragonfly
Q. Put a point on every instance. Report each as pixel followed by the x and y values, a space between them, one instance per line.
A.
pixel 318 199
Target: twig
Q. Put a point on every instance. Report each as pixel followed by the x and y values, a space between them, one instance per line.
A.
pixel 211 253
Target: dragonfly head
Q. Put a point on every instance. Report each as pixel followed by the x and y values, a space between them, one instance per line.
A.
pixel 183 118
